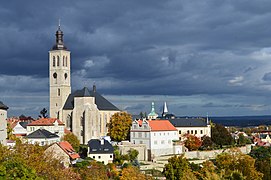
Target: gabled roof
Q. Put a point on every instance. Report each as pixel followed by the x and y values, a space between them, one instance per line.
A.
pixel 3 106
pixel 45 122
pixel 68 149
pixel 100 101
pixel 96 147
pixel 188 122
pixel 40 134
pixel 159 125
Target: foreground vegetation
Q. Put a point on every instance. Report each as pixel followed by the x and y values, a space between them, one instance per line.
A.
pixel 231 165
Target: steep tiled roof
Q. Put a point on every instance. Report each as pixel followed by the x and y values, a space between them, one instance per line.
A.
pixel 100 101
pixel 41 133
pixel 45 122
pixel 3 106
pixel 188 122
pixel 68 149
pixel 160 125
pixel 96 147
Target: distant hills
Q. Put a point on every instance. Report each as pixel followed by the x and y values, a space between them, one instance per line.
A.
pixel 242 121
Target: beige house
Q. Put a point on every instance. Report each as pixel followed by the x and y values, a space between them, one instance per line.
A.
pixel 64 152
pixel 53 125
pixel 100 150
pixel 84 112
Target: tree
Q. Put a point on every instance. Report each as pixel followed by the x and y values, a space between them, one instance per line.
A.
pixel 236 161
pixel 263 159
pixel 242 139
pixel 73 140
pixel 119 126
pixel 43 113
pixel 132 173
pixel 178 168
pixel 192 142
pixel 220 135
pixel 207 142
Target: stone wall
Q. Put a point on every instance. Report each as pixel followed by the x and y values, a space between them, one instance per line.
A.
pixel 212 154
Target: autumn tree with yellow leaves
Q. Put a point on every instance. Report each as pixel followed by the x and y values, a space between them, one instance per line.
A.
pixel 119 126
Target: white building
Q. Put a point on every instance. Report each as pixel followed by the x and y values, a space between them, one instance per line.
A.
pixel 158 135
pixel 100 150
pixel 42 137
pixel 52 125
pixel 3 123
pixel 195 126
pixel 84 112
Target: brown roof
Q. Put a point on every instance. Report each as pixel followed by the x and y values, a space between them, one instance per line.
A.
pixel 68 149
pixel 45 122
pixel 160 125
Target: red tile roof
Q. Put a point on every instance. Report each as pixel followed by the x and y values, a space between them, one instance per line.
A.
pixel 159 125
pixel 45 122
pixel 67 148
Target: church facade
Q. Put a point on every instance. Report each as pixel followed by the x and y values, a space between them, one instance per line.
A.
pixel 85 112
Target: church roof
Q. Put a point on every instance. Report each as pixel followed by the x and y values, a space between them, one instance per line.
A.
pixel 3 106
pixel 188 122
pixel 100 101
pixel 41 133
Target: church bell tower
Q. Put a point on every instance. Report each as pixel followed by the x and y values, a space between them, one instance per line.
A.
pixel 59 75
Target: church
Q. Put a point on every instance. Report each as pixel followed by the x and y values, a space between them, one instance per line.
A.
pixel 85 112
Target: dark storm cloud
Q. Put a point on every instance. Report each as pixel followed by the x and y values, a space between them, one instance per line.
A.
pixel 178 48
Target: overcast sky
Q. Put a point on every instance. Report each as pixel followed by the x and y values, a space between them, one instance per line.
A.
pixel 199 56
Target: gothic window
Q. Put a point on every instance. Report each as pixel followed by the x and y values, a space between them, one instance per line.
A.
pixel 54 61
pixel 55 78
pixel 63 61
pixel 58 59
pixel 66 61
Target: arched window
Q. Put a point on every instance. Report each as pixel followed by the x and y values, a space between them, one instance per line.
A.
pixel 55 78
pixel 63 61
pixel 66 61
pixel 65 76
pixel 58 92
pixel 58 60
pixel 54 61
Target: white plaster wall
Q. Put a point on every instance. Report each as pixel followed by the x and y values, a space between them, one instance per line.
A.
pixel 106 158
pixel 3 126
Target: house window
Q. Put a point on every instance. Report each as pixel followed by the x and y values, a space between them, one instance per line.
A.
pixel 201 131
pixel 188 132
pixel 192 131
pixel 169 141
pixel 162 142
pixel 58 60
pixel 63 61
pixel 153 134
pixel 111 156
pixel 54 61
pixel 146 135
pixel 66 61
pixel 93 157
pixel 141 142
pixel 99 157
pixel 140 134
pixel 180 132
pixel 196 132
pixel 58 92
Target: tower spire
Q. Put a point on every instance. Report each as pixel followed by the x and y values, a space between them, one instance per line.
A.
pixel 59 39
pixel 165 110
